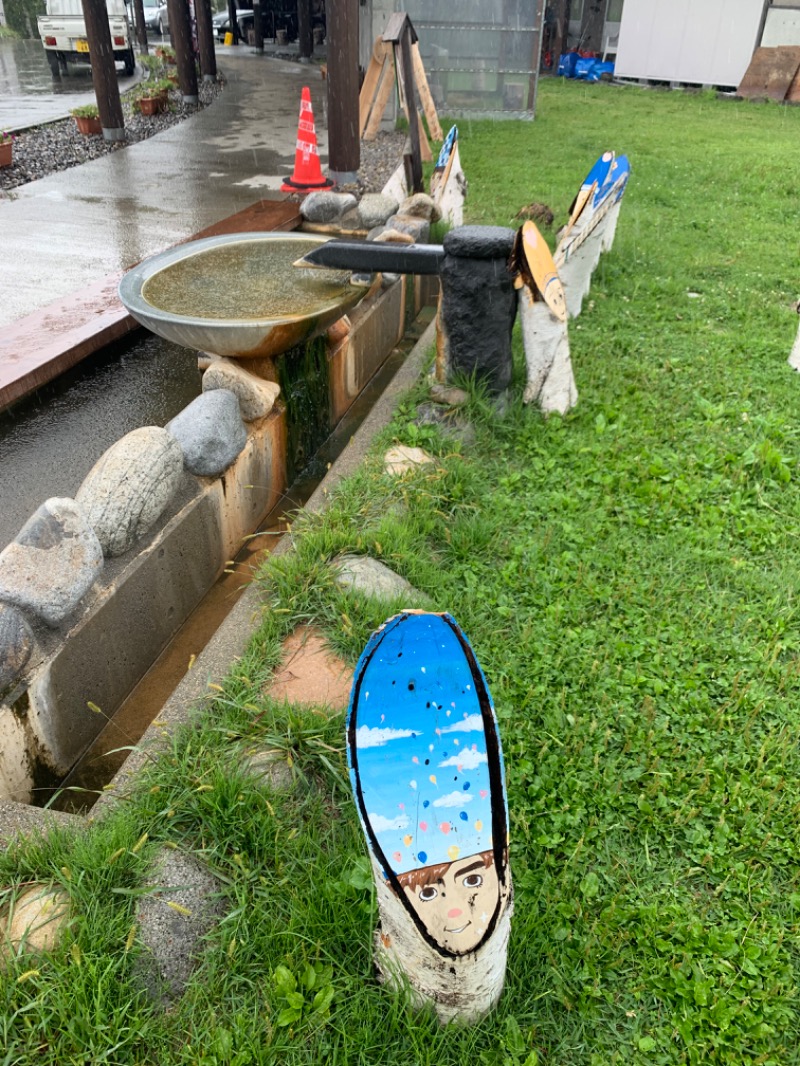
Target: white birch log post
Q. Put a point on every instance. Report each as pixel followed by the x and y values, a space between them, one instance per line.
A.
pixel 427 774
pixel 550 380
pixel 577 268
pixel 794 355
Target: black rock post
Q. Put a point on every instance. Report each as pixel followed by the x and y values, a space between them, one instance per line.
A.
pixel 478 305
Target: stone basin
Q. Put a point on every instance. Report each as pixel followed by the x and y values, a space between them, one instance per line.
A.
pixel 237 294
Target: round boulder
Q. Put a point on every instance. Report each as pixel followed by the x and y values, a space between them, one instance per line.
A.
pixel 16 645
pixel 374 209
pixel 35 920
pixel 211 432
pixel 256 396
pixel 420 205
pixel 321 207
pixel 52 562
pixel 129 487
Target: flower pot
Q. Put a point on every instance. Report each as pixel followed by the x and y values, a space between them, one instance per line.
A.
pixel 88 125
pixel 151 105
pixel 5 154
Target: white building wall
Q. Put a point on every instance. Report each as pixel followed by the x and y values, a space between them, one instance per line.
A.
pixel 701 42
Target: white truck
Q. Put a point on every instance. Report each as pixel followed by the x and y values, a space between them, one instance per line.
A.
pixel 63 34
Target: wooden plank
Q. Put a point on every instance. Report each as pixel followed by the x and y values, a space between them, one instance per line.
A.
pixel 424 91
pixel 393 32
pixel 770 74
pixel 372 79
pixel 381 100
pixel 426 155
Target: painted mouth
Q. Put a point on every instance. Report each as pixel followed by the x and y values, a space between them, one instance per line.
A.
pixel 459 930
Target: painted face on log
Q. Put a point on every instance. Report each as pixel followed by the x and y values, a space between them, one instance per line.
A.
pixel 454 901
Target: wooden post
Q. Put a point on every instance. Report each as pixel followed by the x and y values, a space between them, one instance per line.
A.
pixel 234 25
pixel 104 71
pixel 536 57
pixel 258 26
pixel 344 148
pixel 205 40
pixel 400 33
pixel 141 29
pixel 305 39
pixel 427 774
pixel 181 31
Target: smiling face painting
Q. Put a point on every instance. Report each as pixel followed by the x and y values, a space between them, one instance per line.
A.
pixel 427 776
pixel 455 900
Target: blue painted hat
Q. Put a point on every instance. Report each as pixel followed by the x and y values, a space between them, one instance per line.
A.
pixel 426 765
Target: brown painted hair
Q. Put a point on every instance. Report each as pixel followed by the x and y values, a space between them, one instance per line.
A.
pixel 429 875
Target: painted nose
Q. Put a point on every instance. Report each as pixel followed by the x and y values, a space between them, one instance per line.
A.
pixel 454 913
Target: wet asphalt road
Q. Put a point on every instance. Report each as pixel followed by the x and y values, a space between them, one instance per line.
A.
pixel 30 95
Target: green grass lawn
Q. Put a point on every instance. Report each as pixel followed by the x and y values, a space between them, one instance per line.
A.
pixel 628 577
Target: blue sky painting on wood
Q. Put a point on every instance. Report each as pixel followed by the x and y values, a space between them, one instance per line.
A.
pixel 426 764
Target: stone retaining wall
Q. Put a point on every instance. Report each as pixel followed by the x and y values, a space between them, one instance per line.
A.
pixel 92 590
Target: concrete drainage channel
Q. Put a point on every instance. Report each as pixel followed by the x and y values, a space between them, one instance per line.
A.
pixel 137 608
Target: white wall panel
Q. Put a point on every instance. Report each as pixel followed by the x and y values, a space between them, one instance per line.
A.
pixel 704 42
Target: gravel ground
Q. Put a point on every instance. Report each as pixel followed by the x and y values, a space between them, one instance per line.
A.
pixel 56 146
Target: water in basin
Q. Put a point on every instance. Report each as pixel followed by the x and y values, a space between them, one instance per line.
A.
pixel 245 281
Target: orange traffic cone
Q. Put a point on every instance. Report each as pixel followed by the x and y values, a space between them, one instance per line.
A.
pixel 307 171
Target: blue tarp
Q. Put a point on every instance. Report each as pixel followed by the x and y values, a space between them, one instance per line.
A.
pixel 573 65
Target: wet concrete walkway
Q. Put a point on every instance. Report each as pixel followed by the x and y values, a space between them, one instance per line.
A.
pixel 73 229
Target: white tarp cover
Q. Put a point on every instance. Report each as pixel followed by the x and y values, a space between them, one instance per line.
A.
pixel 702 42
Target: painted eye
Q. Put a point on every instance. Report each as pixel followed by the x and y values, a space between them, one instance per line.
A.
pixel 472 881
pixel 427 893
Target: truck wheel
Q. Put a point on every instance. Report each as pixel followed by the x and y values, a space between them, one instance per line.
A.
pixel 52 62
pixel 130 62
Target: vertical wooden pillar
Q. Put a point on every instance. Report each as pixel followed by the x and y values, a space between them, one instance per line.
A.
pixel 407 73
pixel 141 29
pixel 205 39
pixel 180 25
pixel 536 57
pixel 258 26
pixel 344 147
pixel 104 71
pixel 305 40
pixel 233 24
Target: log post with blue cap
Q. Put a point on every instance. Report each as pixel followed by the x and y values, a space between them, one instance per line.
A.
pixel 426 769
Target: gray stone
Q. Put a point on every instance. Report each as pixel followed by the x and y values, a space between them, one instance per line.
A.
pixel 173 917
pixel 375 208
pixel 255 395
pixel 418 228
pixel 52 563
pixel 479 304
pixel 446 420
pixel 361 573
pixel 128 488
pixel 480 242
pixel 268 768
pixel 324 206
pixel 449 395
pixel 420 205
pixel 210 431
pixel 393 236
pixel 16 645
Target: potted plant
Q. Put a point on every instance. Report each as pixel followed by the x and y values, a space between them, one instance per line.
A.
pixel 87 119
pixel 151 97
pixel 6 151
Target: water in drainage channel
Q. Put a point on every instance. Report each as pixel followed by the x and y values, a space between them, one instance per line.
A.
pixel 78 792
